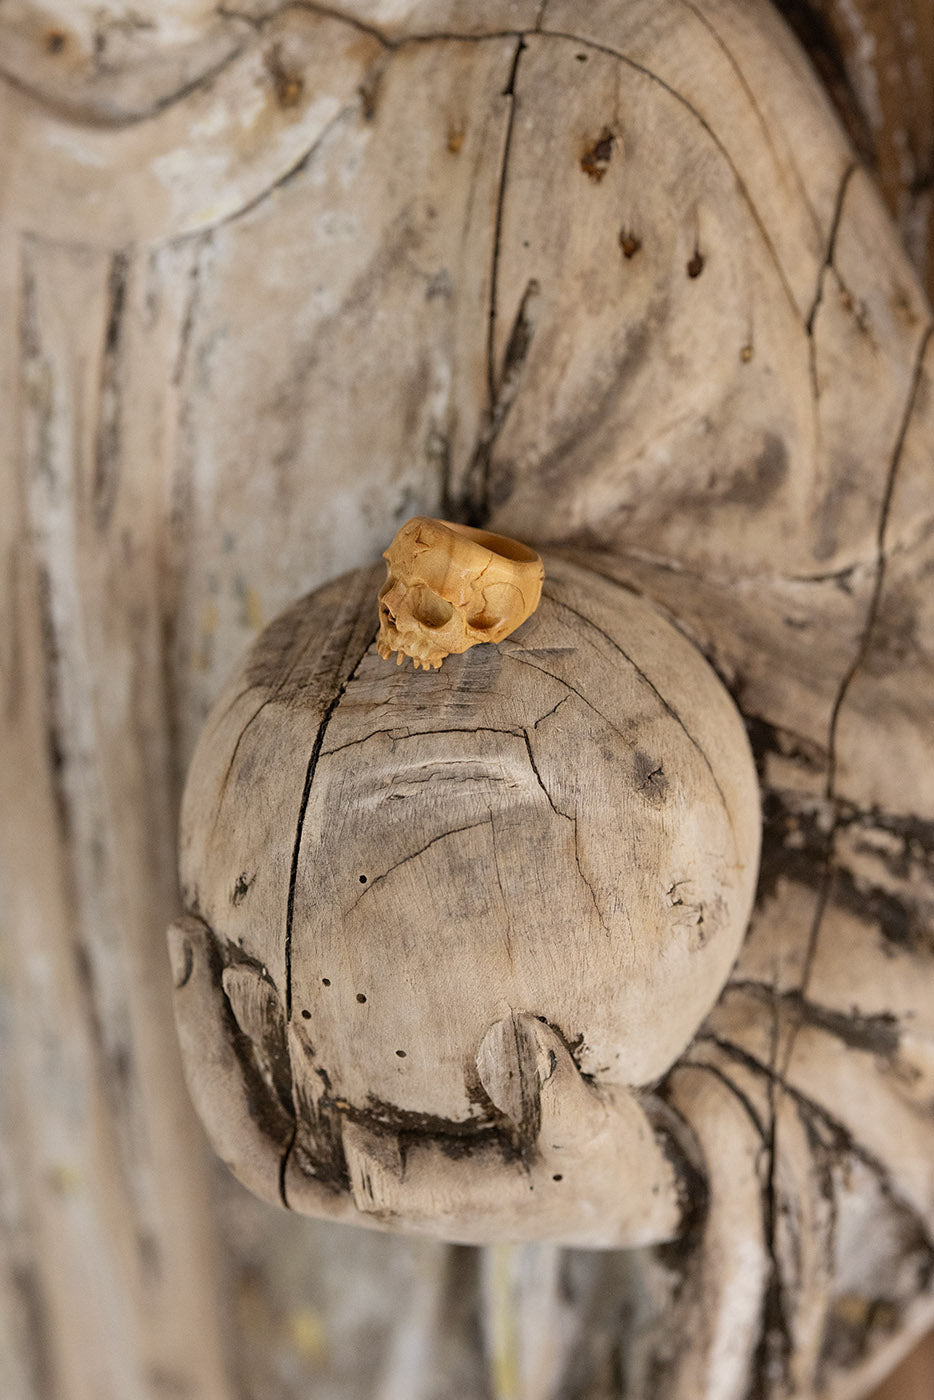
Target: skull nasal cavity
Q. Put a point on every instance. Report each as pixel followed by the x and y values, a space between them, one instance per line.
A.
pixel 429 609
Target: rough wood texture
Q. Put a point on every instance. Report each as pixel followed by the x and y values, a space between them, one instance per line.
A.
pixel 263 295
pixel 393 880
pixel 877 61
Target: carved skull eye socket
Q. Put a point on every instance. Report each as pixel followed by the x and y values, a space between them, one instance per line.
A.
pixel 428 608
pixel 497 604
pixel 483 621
pixel 384 609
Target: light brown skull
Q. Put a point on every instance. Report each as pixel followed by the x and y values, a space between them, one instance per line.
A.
pixel 450 587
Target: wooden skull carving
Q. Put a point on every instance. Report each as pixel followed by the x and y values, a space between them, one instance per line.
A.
pixel 433 915
pixel 449 587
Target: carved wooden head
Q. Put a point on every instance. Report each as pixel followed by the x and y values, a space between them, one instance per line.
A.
pixel 386 866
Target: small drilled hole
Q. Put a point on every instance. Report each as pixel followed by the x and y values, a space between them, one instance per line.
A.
pixel 306 1015
pixel 361 998
pixel 557 1177
pixel 401 1054
pixel 363 879
pixel 325 981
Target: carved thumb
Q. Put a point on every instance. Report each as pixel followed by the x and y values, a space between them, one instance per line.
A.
pixel 528 1072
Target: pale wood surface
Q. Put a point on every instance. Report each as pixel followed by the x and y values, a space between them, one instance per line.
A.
pixel 877 61
pixel 244 309
pixel 441 869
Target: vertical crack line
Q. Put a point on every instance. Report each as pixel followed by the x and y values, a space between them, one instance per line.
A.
pixel 508 91
pixel 830 791
pixel 773 1320
pixel 284 1165
pixel 507 932
pixel 193 293
pixel 749 92
pixel 828 880
pixel 477 487
pixel 514 357
pixel 302 811
pixel 847 176
pixel 878 582
pixel 107 437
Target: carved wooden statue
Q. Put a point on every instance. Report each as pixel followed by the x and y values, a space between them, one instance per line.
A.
pixel 481 949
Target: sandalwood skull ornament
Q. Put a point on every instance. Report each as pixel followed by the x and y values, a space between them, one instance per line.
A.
pixel 450 587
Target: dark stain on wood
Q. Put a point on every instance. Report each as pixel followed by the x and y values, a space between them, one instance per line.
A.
pixel 109 422
pixel 267 1094
pixel 36 1321
pixel 874 1034
pixel 649 778
pixel 241 888
pixel 288 84
pixel 456 1139
pixel 266 1055
pixel 768 474
pixel 595 161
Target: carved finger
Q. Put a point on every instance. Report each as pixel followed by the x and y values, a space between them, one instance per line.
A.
pixel 530 1075
pixel 213 1070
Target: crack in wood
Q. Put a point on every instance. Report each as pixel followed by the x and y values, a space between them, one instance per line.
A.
pixel 666 705
pixel 502 893
pixel 702 121
pixel 841 1139
pixel 397 738
pixel 876 1034
pixel 106 472
pixel 830 868
pixel 538 777
pixel 553 711
pixel 265 702
pixel 761 118
pixel 522 658
pixel 303 808
pixel 455 831
pixel 745 1101
pixel 844 185
pixel 476 489
pixel 191 307
pixel 590 889
pixel 881 558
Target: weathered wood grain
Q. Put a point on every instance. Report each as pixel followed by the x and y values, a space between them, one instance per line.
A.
pixel 877 62
pixel 263 294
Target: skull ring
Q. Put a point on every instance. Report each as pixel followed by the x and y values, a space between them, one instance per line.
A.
pixel 449 587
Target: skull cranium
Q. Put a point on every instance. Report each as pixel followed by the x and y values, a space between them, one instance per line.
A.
pixel 450 587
